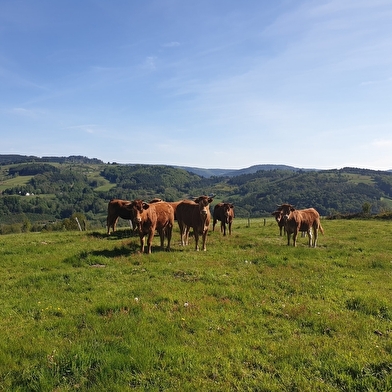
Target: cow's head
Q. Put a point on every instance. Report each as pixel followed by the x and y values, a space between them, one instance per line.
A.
pixel 285 208
pixel 138 207
pixel 204 206
pixel 278 215
pixel 228 211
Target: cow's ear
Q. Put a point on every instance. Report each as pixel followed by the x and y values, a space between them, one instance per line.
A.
pixel 210 199
pixel 197 200
pixel 146 206
pixel 231 205
pixel 292 209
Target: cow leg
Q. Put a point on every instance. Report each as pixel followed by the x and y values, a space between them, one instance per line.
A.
pixel 182 232
pixel 111 223
pixel 223 228
pixel 150 238
pixel 141 242
pixel 196 235
pixel 288 238
pixel 310 237
pixel 187 230
pixel 204 236
pixel 161 233
pixel 229 228
pixel 315 236
pixel 295 235
pixel 213 224
pixel 169 230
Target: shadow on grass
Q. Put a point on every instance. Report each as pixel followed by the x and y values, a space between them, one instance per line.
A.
pixel 117 235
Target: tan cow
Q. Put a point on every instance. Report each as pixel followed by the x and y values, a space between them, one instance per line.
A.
pixel 174 204
pixel 117 208
pixel 302 220
pixel 148 217
pixel 224 212
pixel 194 214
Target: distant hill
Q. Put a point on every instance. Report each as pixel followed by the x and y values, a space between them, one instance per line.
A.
pixel 207 173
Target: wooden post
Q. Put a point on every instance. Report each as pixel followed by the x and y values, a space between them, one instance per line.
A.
pixel 77 221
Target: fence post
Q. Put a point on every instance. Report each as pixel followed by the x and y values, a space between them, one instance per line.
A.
pixel 77 221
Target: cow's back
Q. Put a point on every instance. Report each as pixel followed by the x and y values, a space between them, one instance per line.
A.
pixel 164 213
pixel 187 212
pixel 218 213
pixel 118 207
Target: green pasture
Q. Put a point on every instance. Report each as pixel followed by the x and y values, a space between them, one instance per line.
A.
pixel 14 182
pixel 85 312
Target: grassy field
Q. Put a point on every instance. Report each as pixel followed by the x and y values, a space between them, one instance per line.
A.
pixel 86 312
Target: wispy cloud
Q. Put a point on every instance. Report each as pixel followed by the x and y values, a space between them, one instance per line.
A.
pixel 88 128
pixel 172 44
pixel 23 112
pixel 382 143
pixel 150 63
pixel 373 82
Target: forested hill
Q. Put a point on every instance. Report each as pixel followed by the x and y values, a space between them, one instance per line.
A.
pixel 7 159
pixel 52 189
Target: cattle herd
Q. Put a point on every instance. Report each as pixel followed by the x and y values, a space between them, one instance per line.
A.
pixel 159 215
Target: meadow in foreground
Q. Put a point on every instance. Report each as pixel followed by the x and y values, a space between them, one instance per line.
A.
pixel 83 311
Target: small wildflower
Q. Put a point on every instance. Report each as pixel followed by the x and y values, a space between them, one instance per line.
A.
pixel 186 304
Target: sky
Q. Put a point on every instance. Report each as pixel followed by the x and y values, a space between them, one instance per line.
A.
pixel 209 83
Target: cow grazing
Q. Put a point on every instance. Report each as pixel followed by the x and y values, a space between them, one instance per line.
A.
pixel 194 214
pixel 304 221
pixel 149 217
pixel 117 208
pixel 224 212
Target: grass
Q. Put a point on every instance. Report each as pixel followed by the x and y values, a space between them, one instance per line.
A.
pixel 82 311
pixel 13 182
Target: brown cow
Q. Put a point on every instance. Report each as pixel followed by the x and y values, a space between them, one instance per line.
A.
pixel 117 208
pixel 302 220
pixel 224 212
pixel 150 217
pixel 195 214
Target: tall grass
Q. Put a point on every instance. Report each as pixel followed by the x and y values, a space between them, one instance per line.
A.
pixel 82 311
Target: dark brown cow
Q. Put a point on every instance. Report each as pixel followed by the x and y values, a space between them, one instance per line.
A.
pixel 118 208
pixel 175 204
pixel 195 214
pixel 224 212
pixel 278 217
pixel 302 220
pixel 150 217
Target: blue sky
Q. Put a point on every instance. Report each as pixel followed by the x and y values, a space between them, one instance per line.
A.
pixel 207 83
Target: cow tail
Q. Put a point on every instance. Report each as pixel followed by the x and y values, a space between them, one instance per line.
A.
pixel 321 228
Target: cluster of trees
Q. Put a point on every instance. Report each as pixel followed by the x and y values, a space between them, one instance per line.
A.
pixel 57 191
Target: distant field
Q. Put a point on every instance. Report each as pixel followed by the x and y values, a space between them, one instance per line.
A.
pixel 13 182
pixel 83 311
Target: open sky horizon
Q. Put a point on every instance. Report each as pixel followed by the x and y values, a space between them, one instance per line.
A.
pixel 208 84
